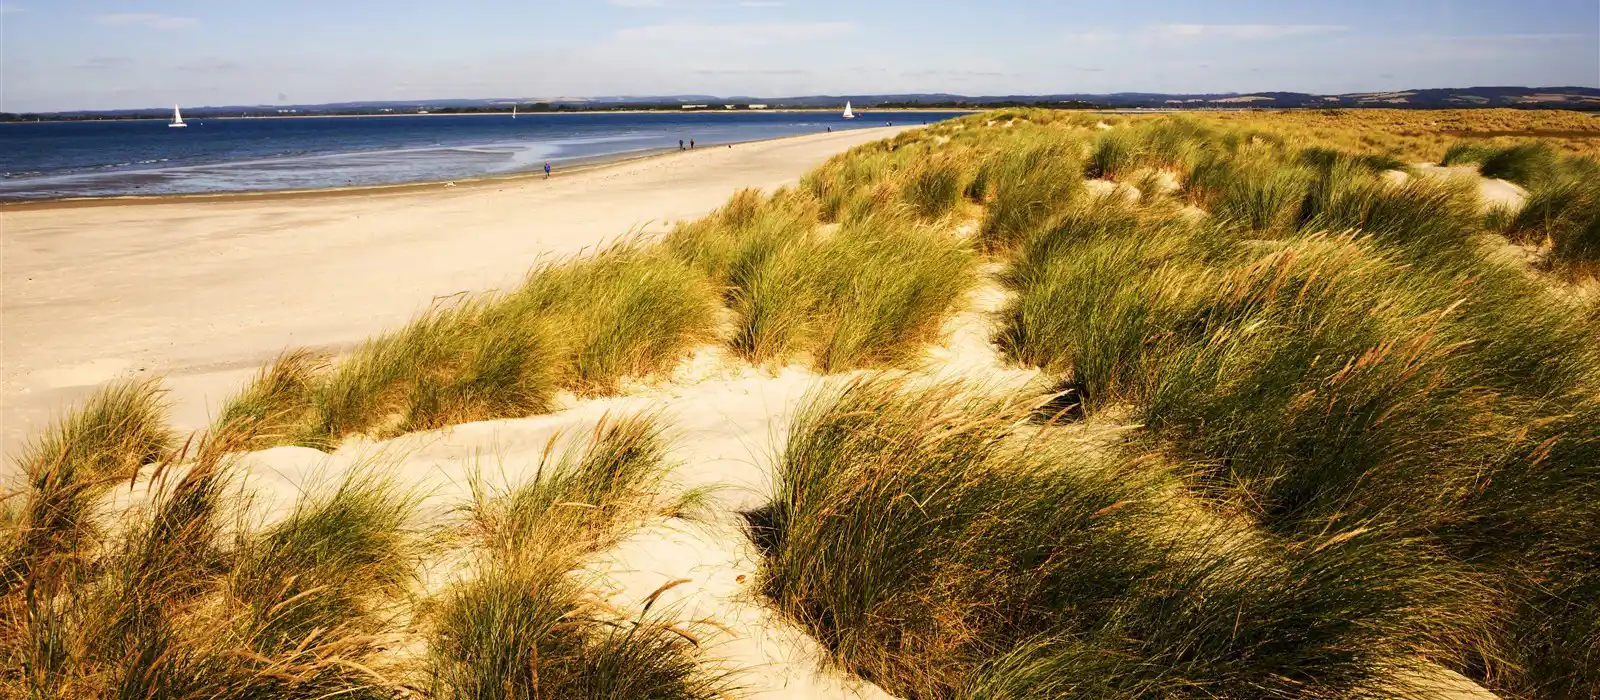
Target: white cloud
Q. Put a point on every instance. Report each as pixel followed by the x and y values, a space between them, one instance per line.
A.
pixel 146 19
pixel 747 34
pixel 1241 32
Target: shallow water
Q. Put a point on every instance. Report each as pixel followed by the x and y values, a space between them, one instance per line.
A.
pixel 113 158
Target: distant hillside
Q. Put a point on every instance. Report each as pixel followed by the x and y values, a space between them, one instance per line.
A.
pixel 1574 98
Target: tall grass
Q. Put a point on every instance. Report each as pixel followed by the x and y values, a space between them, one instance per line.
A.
pixel 1257 191
pixel 470 360
pixel 275 406
pixel 158 611
pixel 1113 155
pixel 868 294
pixel 117 430
pixel 1391 376
pixel 326 565
pixel 1030 179
pixel 524 627
pixel 934 187
pixel 582 325
pixel 936 548
pixel 626 311
pixel 1524 164
pixel 884 287
pixel 1563 212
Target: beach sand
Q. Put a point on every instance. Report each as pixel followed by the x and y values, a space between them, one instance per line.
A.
pixel 205 290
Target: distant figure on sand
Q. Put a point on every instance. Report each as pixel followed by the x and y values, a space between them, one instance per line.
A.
pixel 547 170
pixel 691 144
pixel 680 144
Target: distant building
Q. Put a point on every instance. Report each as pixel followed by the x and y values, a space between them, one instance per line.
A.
pixel 695 106
pixel 758 106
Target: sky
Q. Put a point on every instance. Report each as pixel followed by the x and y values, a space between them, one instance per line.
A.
pixel 113 54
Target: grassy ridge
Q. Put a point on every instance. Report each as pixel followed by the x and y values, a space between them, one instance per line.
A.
pixel 192 597
pixel 939 550
pixel 1360 444
pixel 866 294
pixel 580 325
pixel 523 627
pixel 1388 375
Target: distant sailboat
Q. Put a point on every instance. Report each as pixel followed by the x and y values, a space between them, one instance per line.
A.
pixel 177 118
pixel 513 111
pixel 848 113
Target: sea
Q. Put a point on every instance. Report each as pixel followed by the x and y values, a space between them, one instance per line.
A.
pixel 54 160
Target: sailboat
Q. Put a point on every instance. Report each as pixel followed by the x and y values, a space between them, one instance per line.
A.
pixel 848 113
pixel 513 111
pixel 177 118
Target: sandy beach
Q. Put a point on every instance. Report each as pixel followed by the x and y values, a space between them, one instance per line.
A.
pixel 204 290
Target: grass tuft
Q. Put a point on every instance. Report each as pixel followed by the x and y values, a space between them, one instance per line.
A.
pixel 525 627
pixel 119 429
pixel 1030 181
pixel 937 548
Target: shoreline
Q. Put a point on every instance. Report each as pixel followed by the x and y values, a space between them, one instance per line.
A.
pixel 573 167
pixel 204 290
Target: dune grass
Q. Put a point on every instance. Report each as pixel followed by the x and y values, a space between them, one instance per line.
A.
pixel 155 609
pixel 272 408
pixel 1031 178
pixel 1256 190
pixel 934 187
pixel 1563 213
pixel 867 294
pixel 1360 444
pixel 1388 375
pixel 524 626
pixel 939 549
pixel 115 432
pixel 581 325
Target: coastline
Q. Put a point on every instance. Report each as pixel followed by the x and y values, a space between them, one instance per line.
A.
pixel 566 169
pixel 575 167
pixel 204 289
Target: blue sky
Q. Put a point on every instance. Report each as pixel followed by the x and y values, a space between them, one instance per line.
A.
pixel 100 54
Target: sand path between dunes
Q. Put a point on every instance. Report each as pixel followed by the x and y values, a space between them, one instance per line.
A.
pixel 204 291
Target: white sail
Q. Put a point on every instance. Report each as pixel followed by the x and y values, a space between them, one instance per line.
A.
pixel 848 113
pixel 177 117
pixel 513 111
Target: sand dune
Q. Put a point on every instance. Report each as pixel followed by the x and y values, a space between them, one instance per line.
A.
pixel 206 290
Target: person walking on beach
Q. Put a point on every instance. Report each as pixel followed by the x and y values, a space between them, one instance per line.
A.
pixel 680 144
pixel 547 170
pixel 691 144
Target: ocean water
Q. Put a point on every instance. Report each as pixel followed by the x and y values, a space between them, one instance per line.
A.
pixel 48 160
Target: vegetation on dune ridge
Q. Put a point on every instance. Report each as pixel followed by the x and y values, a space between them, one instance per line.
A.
pixel 192 596
pixel 166 607
pixel 937 548
pixel 1388 375
pixel 523 626
pixel 1357 440
pixel 865 295
pixel 581 325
